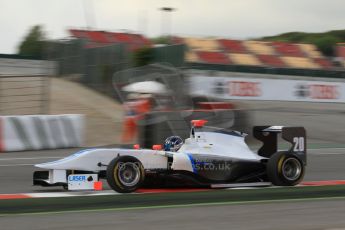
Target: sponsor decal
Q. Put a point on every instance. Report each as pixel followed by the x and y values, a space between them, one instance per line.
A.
pixel 83 182
pixel 317 91
pixel 79 178
pixel 219 88
pixel 302 91
pixel 324 91
pixel 268 89
pixel 245 89
pixel 76 178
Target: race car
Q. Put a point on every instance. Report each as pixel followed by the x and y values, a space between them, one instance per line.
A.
pixel 210 157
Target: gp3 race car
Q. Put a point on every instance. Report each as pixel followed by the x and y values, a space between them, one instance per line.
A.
pixel 210 157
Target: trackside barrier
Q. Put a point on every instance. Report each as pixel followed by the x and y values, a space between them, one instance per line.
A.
pixel 267 89
pixel 34 132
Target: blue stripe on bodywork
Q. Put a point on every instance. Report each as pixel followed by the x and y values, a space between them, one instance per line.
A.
pixel 192 162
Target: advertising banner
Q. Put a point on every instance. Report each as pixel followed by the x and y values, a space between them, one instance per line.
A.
pixel 267 89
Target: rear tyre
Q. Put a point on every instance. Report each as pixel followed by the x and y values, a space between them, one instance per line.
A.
pixel 125 174
pixel 285 169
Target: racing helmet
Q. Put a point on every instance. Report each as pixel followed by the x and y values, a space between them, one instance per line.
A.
pixel 173 143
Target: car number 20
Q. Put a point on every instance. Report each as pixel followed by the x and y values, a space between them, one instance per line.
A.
pixel 298 144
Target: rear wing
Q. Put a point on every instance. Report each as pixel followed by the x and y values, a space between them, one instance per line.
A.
pixel 268 135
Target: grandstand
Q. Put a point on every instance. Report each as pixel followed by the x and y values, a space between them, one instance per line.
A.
pixel 259 48
pixel 340 51
pixel 225 51
pixel 103 38
pixel 232 46
pixel 191 56
pixel 255 53
pixel 213 57
pixel 244 59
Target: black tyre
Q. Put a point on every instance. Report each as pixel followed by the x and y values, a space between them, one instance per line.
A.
pixel 125 174
pixel 285 169
pixel 65 187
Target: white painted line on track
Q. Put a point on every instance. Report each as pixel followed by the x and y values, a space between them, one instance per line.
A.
pixel 70 194
pixel 326 148
pixel 327 154
pixel 12 165
pixel 28 158
pixel 49 195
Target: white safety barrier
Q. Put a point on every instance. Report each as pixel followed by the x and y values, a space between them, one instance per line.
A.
pixel 33 132
pixel 267 89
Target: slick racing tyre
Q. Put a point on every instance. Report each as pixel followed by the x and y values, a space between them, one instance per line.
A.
pixel 285 169
pixel 125 174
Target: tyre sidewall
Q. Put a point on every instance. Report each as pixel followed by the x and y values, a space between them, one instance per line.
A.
pixel 112 174
pixel 275 169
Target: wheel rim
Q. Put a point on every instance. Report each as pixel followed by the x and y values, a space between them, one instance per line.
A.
pixel 129 174
pixel 292 169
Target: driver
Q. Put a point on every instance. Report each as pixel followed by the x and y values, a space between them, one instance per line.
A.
pixel 173 143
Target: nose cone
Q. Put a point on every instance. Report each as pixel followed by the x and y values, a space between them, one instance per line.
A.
pixel 64 163
pixel 49 165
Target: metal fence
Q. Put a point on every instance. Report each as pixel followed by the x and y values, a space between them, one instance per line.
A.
pixel 94 65
pixel 23 95
pixel 339 73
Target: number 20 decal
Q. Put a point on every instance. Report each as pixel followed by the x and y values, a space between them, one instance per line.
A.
pixel 298 144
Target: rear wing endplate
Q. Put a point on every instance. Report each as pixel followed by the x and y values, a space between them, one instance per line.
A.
pixel 268 135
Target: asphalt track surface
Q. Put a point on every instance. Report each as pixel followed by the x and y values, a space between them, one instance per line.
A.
pixel 317 214
pixel 325 124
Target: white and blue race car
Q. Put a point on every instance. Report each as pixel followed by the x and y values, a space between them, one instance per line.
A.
pixel 210 157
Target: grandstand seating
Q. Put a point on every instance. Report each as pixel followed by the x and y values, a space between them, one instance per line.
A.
pixel 213 57
pixel 288 49
pixel 271 60
pixel 323 62
pixel 202 44
pixel 79 33
pixel 122 37
pixel 340 50
pixel 300 62
pixel 191 56
pixel 310 50
pixel 232 46
pixel 260 48
pixel 101 38
pixel 98 36
pixel 177 40
pixel 244 59
pixel 225 51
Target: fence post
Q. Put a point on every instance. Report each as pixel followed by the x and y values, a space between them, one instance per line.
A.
pixel 0 95
pixel 45 108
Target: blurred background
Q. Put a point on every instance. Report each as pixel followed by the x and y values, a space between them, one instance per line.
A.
pixel 140 71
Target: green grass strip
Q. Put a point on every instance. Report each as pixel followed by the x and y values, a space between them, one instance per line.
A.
pixel 163 200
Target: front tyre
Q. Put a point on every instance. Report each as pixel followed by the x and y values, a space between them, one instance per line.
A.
pixel 285 169
pixel 125 174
